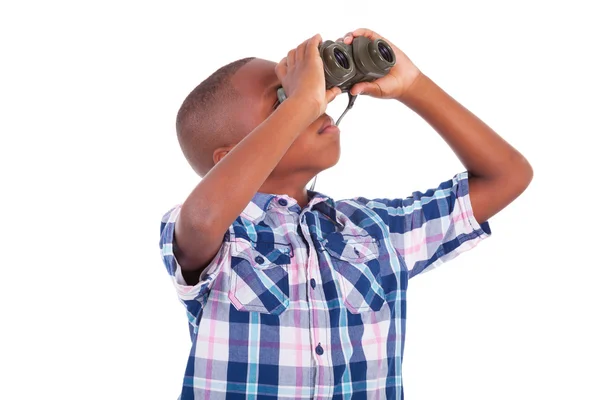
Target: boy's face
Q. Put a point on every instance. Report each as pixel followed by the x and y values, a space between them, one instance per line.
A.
pixel 312 151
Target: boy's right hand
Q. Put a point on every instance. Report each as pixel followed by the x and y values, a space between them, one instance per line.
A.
pixel 302 77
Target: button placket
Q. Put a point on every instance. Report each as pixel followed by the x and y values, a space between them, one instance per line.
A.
pixel 315 297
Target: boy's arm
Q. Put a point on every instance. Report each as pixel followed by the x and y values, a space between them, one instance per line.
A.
pixel 498 173
pixel 229 186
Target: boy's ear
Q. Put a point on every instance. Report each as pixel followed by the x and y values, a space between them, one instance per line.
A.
pixel 220 153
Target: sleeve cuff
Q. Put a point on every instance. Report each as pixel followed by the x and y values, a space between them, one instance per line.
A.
pixel 183 289
pixel 482 230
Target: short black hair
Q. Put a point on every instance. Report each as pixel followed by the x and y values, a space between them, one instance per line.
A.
pixel 203 122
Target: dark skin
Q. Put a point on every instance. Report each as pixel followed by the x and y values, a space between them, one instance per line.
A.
pixel 498 173
pixel 309 154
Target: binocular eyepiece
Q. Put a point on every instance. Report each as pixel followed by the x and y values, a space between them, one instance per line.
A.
pixel 364 60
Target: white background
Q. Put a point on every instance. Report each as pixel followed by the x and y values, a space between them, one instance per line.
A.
pixel 90 162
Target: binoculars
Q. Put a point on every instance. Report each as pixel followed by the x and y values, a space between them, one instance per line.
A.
pixel 364 60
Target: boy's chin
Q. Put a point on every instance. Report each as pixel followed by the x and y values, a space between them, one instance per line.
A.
pixel 329 161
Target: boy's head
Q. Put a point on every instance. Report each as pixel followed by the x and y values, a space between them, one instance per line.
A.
pixel 229 104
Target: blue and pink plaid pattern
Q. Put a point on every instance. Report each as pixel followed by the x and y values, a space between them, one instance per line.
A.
pixel 310 303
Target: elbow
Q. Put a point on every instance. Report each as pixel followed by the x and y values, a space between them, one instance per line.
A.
pixel 193 218
pixel 521 174
pixel 526 172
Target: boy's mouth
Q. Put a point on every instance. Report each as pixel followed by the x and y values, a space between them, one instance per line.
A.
pixel 328 126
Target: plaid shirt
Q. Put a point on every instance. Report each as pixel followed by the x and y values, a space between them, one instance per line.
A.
pixel 311 303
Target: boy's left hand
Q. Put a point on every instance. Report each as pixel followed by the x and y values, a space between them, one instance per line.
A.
pixel 393 85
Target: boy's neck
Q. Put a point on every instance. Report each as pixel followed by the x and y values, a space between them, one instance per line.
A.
pixel 298 194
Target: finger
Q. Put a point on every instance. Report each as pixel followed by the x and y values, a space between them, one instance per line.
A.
pixel 291 58
pixel 368 88
pixel 281 68
pixel 301 50
pixel 348 38
pixel 312 47
pixel 332 93
pixel 367 33
pixel 303 47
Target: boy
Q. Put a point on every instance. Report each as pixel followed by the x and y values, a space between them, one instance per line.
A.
pixel 289 293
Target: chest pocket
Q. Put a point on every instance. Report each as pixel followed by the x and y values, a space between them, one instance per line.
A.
pixel 355 262
pixel 259 277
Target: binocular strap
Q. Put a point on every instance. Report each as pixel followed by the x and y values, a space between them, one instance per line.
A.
pixel 351 100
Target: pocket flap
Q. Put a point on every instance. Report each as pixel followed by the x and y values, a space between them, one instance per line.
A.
pixel 351 248
pixel 262 254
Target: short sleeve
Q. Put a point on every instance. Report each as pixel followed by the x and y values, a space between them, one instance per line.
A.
pixel 192 296
pixel 428 229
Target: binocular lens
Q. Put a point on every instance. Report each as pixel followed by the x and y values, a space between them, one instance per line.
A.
pixel 341 58
pixel 386 52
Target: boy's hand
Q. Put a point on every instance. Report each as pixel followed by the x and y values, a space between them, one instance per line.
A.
pixel 302 77
pixel 396 83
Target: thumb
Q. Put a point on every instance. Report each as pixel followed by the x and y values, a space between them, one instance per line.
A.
pixel 368 88
pixel 332 93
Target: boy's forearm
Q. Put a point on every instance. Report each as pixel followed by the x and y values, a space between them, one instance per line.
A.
pixel 498 173
pixel 229 186
pixel 481 150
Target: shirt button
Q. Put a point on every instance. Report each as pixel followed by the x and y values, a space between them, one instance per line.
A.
pixel 283 202
pixel 259 259
pixel 313 283
pixel 319 350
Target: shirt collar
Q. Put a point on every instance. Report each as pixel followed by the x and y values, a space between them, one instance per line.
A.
pixel 263 203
